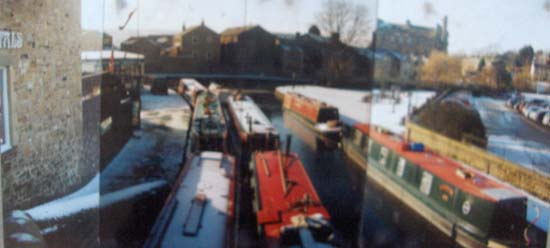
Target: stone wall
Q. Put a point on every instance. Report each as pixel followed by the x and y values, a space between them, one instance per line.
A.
pixel 46 159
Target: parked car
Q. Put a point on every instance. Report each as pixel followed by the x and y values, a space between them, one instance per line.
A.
pixel 513 101
pixel 546 119
pixel 535 111
pixel 527 109
pixel 540 115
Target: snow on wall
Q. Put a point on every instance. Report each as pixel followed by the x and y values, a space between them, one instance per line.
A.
pixel 67 207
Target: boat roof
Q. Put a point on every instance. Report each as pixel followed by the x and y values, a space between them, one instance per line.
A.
pixel 192 84
pixel 277 208
pixel 310 100
pixel 448 170
pixel 208 105
pixel 208 175
pixel 245 109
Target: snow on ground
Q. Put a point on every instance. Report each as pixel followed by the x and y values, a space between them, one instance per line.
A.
pixel 352 107
pixel 149 159
pixel 529 154
pixel 155 151
pixel 512 137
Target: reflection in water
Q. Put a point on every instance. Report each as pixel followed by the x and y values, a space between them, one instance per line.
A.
pixel 355 205
pixel 312 139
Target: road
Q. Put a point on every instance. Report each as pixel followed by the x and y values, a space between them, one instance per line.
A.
pixel 512 136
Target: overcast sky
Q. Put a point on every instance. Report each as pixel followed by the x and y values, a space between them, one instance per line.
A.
pixel 474 25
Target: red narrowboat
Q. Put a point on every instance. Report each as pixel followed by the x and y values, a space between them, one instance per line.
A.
pixel 288 210
pixel 323 118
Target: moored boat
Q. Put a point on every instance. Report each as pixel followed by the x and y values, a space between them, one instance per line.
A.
pixel 199 211
pixel 468 206
pixel 208 130
pixel 321 117
pixel 190 88
pixel 314 141
pixel 288 210
pixel 253 127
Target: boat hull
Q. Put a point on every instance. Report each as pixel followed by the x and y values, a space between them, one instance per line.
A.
pixel 440 206
pixel 308 111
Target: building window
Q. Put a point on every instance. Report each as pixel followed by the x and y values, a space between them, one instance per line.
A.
pixel 195 40
pixel 5 141
pixel 208 56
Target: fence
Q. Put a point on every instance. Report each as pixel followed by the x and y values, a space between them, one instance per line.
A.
pixel 480 159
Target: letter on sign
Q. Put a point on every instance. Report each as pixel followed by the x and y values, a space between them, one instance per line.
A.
pixel 11 40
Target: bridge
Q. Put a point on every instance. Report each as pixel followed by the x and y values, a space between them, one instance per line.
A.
pixel 233 80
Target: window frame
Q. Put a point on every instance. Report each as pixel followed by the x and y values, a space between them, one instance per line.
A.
pixel 5 109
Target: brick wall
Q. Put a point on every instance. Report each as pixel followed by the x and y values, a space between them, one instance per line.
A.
pixel 46 160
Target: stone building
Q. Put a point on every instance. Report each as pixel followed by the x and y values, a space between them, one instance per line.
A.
pixel 291 55
pixel 409 39
pixel 540 67
pixel 330 61
pixel 249 49
pixel 199 44
pixel 391 66
pixel 42 125
pixel 153 47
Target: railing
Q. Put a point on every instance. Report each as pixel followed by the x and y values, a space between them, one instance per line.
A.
pixel 523 178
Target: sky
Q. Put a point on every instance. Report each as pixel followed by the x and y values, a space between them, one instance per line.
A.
pixel 474 25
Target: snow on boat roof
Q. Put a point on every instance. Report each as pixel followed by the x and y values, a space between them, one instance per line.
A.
pixel 207 174
pixel 245 109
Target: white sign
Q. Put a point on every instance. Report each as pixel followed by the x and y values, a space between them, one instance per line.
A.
pixel 11 40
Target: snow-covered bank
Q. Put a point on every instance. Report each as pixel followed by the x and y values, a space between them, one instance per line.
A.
pixel 150 159
pixel 155 151
pixel 512 137
pixel 353 108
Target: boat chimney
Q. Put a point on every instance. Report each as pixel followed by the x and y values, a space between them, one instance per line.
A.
pixel 288 143
pixel 250 124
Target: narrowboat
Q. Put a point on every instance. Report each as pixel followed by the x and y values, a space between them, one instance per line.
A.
pixel 288 210
pixel 253 127
pixel 473 209
pixel 208 130
pixel 199 212
pixel 311 138
pixel 190 88
pixel 321 117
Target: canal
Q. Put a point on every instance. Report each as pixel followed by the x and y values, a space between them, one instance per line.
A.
pixel 364 214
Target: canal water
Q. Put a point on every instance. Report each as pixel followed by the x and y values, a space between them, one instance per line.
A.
pixel 364 214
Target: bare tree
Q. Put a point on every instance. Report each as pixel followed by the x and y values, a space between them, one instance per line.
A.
pixel 349 19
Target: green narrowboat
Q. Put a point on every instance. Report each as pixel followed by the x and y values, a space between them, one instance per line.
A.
pixel 470 207
pixel 208 131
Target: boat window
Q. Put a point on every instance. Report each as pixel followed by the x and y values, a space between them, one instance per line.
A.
pixel 384 154
pixel 327 115
pixel 401 167
pixel 426 183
